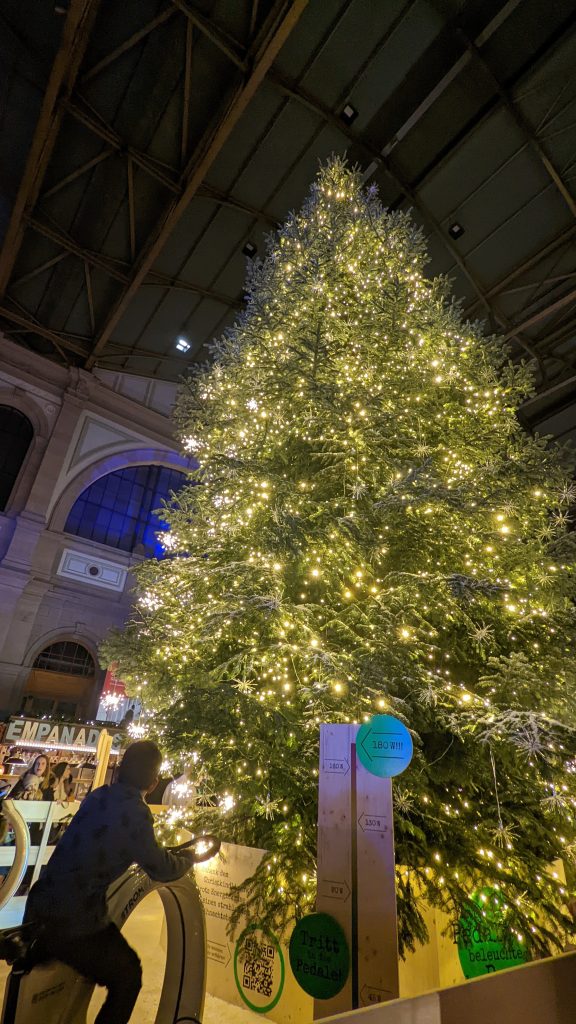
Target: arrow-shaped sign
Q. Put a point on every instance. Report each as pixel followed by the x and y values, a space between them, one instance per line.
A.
pixel 333 890
pixel 370 995
pixel 373 823
pixel 384 746
pixel 336 765
pixel 380 743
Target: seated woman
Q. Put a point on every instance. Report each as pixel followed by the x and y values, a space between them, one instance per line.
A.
pixel 62 782
pixel 34 782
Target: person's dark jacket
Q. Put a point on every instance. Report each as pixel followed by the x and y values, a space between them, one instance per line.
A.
pixel 111 830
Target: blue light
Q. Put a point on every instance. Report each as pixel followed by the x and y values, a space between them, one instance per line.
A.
pixel 119 509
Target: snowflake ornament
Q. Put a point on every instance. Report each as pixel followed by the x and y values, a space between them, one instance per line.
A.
pixel 403 803
pixel 267 807
pixel 556 803
pixel 428 695
pixel 504 836
pixel 482 634
pixel 568 494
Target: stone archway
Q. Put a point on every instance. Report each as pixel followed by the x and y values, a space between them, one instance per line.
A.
pixel 61 681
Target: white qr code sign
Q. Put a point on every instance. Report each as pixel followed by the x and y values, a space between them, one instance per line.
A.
pixel 259 968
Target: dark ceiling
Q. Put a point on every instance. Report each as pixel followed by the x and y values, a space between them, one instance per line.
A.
pixel 144 143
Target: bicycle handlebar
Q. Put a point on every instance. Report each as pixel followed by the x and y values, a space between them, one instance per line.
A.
pixel 206 847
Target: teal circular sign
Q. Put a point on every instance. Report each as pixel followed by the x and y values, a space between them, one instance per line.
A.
pixel 384 746
pixel 319 956
pixel 259 970
pixel 485 943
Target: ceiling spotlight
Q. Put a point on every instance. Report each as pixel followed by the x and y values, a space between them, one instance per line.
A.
pixel 182 345
pixel 249 250
pixel 456 230
pixel 349 114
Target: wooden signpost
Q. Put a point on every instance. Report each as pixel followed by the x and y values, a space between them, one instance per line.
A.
pixel 102 758
pixel 356 866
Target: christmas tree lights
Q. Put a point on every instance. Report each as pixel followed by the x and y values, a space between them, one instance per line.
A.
pixel 370 530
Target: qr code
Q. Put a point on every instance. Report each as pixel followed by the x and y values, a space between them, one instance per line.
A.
pixel 258 973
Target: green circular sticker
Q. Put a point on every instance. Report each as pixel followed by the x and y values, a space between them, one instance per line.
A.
pixel 259 968
pixel 319 956
pixel 384 746
pixel 485 944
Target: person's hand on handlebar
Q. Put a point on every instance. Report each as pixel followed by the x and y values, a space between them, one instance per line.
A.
pixel 199 848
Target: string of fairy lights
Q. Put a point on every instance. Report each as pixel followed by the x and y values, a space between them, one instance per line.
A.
pixel 369 530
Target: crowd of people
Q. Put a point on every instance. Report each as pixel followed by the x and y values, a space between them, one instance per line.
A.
pixel 43 781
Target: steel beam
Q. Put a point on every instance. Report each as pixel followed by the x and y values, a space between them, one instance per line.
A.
pixel 107 134
pixel 94 259
pixel 122 352
pixel 75 36
pixel 176 284
pixel 531 285
pixel 59 341
pixel 253 16
pixel 133 40
pixel 369 147
pixel 104 131
pixel 543 313
pixel 131 208
pixel 83 169
pixel 450 76
pixel 90 297
pixel 549 339
pixel 375 153
pixel 119 270
pixel 186 92
pixel 95 124
pixel 226 199
pixel 536 61
pixel 532 261
pixel 225 43
pixel 38 270
pixel 282 21
pixel 521 122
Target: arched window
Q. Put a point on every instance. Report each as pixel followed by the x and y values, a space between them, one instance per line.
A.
pixel 118 509
pixel 16 433
pixel 66 656
pixel 61 682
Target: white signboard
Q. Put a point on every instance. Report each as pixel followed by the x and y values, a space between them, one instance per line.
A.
pixel 251 969
pixel 32 732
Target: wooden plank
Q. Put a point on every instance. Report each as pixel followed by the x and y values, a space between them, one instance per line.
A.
pixel 376 882
pixel 335 829
pixel 356 870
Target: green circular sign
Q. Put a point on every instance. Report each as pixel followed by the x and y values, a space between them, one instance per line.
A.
pixel 319 956
pixel 259 969
pixel 485 943
pixel 384 746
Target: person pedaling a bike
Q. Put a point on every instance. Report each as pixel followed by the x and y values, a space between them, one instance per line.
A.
pixel 66 911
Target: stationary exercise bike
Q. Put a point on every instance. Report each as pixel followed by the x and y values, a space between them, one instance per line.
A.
pixel 52 993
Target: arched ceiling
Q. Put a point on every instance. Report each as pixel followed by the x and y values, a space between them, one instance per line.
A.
pixel 143 144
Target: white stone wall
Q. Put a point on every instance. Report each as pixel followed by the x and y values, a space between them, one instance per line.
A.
pixel 54 586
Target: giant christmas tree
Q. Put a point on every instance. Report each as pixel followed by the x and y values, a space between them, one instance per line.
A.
pixel 369 530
